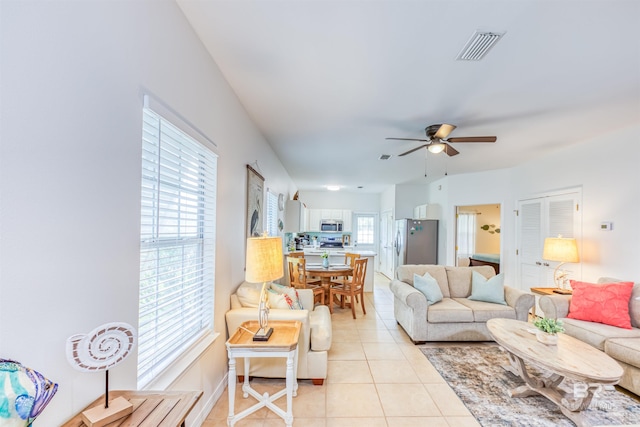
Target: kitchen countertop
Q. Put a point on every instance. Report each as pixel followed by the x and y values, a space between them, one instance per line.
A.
pixel 336 252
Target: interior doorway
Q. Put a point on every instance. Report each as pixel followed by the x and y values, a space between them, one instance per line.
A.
pixel 478 235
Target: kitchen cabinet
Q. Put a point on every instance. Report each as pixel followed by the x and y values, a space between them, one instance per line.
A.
pixel 347 220
pixel 296 217
pixel 315 216
pixel 420 212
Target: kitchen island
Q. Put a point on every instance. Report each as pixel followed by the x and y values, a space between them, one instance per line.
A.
pixel 336 256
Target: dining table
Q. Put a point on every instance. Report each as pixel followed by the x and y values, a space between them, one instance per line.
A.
pixel 326 273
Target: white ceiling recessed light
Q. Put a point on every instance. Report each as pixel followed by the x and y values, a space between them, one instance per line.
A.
pixel 333 187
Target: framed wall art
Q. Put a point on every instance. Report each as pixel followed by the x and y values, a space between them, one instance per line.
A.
pixel 255 202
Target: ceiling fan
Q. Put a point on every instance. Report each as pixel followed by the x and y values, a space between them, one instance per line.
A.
pixel 437 140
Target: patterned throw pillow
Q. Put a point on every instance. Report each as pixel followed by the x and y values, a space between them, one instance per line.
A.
pixel 289 294
pixel 606 303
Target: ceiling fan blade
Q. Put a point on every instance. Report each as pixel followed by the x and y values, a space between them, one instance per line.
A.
pixel 409 139
pixel 444 131
pixel 450 150
pixel 473 139
pixel 411 151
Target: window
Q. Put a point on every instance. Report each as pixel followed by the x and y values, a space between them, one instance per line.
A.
pixel 177 244
pixel 466 234
pixel 272 214
pixel 365 230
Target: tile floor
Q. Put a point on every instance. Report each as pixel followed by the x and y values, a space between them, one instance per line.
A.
pixel 376 377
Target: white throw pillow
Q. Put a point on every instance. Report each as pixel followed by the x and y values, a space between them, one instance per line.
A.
pixel 249 294
pixel 429 287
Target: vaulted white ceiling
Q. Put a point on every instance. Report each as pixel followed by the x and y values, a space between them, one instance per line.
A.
pixel 327 81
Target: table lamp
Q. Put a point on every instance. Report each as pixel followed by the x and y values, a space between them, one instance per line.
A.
pixel 264 263
pixel 560 249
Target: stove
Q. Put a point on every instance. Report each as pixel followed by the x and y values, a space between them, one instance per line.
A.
pixel 331 245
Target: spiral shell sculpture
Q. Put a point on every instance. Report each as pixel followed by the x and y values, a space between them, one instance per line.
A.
pixel 101 349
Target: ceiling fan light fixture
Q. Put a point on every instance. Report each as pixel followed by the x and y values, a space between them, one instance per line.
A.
pixel 436 147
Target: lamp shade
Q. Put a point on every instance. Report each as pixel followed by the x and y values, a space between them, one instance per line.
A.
pixel 264 260
pixel 560 249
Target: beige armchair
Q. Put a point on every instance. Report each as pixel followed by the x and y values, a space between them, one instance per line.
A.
pixel 315 335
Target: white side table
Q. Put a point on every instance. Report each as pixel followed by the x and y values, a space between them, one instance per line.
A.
pixel 282 343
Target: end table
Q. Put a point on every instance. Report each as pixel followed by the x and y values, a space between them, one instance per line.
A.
pixel 282 343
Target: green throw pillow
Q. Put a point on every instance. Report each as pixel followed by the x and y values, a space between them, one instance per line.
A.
pixel 429 287
pixel 487 290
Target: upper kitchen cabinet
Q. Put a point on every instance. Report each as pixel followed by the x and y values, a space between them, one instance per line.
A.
pixel 296 218
pixel 347 220
pixel 315 216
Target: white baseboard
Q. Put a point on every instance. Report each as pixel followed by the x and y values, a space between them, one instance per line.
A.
pixel 208 406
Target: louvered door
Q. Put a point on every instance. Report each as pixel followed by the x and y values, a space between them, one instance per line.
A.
pixel 537 219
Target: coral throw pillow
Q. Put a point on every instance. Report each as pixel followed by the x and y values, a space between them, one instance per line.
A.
pixel 606 303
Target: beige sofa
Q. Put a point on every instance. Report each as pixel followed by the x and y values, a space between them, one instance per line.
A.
pixel 455 318
pixel 621 344
pixel 313 345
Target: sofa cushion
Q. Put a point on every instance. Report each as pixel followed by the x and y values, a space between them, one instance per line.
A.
pixel 483 311
pixel 449 311
pixel 405 274
pixel 459 279
pixel 487 290
pixel 596 334
pixel 606 303
pixel 429 287
pixel 624 349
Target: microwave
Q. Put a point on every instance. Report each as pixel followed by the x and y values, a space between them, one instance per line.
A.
pixel 330 225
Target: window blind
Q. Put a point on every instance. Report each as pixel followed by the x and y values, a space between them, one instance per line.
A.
pixel 272 214
pixel 177 244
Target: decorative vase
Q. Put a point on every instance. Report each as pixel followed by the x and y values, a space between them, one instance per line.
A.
pixel 325 262
pixel 545 338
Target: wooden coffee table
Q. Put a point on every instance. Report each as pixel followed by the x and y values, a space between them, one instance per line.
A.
pixel 570 358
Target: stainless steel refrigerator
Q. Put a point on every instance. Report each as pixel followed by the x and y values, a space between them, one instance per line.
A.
pixel 416 242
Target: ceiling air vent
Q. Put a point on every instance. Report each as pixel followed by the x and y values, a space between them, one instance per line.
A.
pixel 478 46
pixel 385 156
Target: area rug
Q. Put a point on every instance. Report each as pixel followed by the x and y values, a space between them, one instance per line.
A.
pixel 476 375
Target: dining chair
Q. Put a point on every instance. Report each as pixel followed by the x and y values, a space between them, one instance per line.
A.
pixel 349 259
pixel 299 254
pixel 298 278
pixel 352 288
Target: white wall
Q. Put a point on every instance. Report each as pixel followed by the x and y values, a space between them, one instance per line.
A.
pixel 606 168
pixel 72 74
pixel 356 202
pixel 408 197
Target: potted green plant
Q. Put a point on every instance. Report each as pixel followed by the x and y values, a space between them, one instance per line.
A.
pixel 548 330
pixel 325 259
